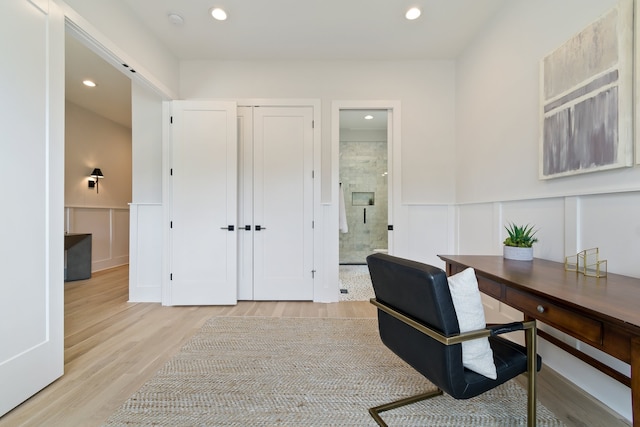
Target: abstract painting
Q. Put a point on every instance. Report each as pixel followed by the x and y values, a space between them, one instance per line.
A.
pixel 587 98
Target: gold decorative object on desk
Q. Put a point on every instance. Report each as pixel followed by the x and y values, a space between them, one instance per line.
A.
pixel 587 262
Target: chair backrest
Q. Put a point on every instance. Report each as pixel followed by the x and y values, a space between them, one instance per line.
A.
pixel 419 291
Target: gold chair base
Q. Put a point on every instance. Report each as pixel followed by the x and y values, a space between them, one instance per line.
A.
pixel 375 412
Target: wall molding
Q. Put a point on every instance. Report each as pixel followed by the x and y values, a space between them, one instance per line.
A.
pixel 604 192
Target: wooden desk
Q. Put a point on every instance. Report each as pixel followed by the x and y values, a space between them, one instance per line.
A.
pixel 602 312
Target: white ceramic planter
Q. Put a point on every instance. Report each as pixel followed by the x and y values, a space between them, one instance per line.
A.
pixel 518 254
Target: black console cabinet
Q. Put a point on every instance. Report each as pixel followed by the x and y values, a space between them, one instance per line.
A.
pixel 77 251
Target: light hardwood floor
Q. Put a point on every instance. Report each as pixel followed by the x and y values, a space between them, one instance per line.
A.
pixel 112 347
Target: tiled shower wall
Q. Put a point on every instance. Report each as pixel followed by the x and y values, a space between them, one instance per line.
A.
pixel 363 167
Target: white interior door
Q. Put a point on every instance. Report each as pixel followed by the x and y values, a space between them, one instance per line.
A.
pixel 283 203
pixel 203 206
pixel 32 188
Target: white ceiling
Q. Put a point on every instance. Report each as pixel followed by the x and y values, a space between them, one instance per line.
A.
pixel 286 29
pixel 111 98
pixel 316 29
pixel 355 119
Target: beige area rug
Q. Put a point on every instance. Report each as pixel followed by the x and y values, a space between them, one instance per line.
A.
pixel 239 371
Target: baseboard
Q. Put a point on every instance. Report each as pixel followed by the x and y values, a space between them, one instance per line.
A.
pixel 571 404
pixel 108 263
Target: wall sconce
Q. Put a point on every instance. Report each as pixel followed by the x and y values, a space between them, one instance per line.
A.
pixel 96 175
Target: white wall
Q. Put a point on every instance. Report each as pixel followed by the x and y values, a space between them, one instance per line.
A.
pixel 145 267
pixel 497 105
pixel 91 141
pixel 146 118
pixel 497 135
pixel 424 88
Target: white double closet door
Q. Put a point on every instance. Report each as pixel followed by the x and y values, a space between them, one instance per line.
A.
pixel 241 203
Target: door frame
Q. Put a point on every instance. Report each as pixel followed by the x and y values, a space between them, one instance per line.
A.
pixel 394 178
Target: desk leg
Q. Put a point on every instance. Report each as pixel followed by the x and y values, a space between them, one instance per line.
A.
pixel 635 380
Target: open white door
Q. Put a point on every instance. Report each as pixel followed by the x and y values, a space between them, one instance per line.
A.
pixel 31 184
pixel 203 203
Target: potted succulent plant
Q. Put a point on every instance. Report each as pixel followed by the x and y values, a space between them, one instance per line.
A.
pixel 519 244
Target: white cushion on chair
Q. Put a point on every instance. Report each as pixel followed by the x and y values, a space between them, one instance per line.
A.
pixel 476 354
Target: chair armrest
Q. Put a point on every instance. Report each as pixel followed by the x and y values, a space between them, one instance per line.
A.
pixel 500 329
pixel 454 339
pixel 427 330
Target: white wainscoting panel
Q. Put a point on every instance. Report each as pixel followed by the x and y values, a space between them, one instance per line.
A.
pixel 478 229
pixel 611 222
pixel 547 216
pixel 120 236
pixel 109 229
pixel 145 269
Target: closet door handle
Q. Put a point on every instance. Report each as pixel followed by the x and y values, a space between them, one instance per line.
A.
pixel 246 227
pixel 259 227
pixel 229 227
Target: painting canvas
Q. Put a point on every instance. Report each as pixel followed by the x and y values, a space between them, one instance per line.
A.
pixel 587 98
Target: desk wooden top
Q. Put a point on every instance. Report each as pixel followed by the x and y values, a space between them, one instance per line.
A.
pixel 615 298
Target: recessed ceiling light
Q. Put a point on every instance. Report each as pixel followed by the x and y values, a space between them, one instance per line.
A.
pixel 88 83
pixel 175 19
pixel 413 13
pixel 218 14
pixel 368 117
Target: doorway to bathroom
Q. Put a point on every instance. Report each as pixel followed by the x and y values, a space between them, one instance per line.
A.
pixel 363 196
pixel 364 193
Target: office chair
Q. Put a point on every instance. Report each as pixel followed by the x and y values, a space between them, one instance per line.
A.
pixel 417 320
